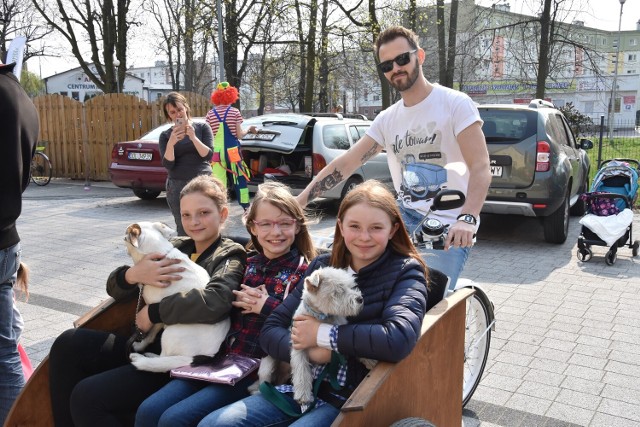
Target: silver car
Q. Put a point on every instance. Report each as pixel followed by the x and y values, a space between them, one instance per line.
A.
pixel 293 148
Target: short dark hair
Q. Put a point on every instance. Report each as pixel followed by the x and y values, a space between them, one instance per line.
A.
pixel 393 33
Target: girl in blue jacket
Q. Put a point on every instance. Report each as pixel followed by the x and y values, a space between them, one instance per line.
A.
pixel 370 242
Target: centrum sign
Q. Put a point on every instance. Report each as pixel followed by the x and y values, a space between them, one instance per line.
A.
pixel 510 87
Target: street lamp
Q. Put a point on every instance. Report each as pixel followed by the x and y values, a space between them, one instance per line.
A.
pixel 116 64
pixel 614 87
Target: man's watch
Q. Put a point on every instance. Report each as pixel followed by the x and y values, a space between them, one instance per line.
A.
pixel 468 218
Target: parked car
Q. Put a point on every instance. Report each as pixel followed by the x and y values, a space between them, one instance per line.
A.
pixel 293 148
pixel 137 164
pixel 538 167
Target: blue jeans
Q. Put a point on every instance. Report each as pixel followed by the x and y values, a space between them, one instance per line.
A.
pixel 183 403
pixel 256 411
pixel 450 262
pixel 11 375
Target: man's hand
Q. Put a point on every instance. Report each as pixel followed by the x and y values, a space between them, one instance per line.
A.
pixel 250 300
pixel 154 269
pixel 460 235
pixel 304 332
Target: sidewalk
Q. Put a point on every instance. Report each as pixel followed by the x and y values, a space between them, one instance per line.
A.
pixel 564 352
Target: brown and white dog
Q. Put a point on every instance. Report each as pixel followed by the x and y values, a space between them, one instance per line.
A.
pixel 180 342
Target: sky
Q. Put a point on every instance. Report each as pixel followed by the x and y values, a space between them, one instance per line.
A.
pixel 602 14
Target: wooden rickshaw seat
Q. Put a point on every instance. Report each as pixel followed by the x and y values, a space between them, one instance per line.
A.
pixel 426 384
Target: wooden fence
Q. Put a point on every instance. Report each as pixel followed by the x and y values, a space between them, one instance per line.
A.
pixel 79 136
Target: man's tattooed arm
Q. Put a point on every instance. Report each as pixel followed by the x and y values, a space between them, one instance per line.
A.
pixel 375 147
pixel 325 184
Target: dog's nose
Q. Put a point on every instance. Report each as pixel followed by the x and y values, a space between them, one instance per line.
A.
pixel 359 300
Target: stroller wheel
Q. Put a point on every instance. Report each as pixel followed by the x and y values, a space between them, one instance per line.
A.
pixel 636 246
pixel 611 258
pixel 585 254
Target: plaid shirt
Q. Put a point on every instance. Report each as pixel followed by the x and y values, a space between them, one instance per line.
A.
pixel 275 274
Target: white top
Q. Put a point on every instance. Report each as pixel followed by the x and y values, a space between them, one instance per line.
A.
pixel 422 149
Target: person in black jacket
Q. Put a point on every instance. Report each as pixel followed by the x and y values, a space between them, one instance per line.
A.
pixel 19 129
pixel 372 243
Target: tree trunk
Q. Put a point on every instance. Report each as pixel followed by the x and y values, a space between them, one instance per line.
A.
pixel 323 68
pixel 311 55
pixel 451 48
pixel 543 58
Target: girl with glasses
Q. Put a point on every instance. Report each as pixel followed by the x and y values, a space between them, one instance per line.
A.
pixel 279 234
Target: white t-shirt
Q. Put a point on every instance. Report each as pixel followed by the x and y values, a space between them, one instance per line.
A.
pixel 422 149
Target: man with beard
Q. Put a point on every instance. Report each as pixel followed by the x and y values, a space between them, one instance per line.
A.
pixel 433 138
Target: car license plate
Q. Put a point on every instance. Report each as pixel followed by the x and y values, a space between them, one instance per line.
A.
pixel 496 170
pixel 140 156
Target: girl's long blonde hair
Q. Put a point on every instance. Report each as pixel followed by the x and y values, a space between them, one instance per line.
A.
pixel 376 195
pixel 280 196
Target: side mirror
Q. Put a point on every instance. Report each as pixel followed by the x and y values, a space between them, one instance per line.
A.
pixel 586 144
pixel 448 199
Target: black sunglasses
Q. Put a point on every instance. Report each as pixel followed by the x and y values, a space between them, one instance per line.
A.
pixel 402 59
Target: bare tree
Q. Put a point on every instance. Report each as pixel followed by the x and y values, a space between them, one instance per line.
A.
pixel 103 24
pixel 186 36
pixel 19 18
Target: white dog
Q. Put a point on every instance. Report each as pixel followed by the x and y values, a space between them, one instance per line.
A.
pixel 330 295
pixel 179 342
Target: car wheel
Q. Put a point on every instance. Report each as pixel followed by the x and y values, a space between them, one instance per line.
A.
pixel 348 186
pixel 556 225
pixel 580 207
pixel 145 194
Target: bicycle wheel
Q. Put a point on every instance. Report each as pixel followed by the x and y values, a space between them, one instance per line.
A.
pixel 477 341
pixel 41 169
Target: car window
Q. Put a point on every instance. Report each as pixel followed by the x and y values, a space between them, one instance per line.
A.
pixel 154 135
pixel 555 129
pixel 336 137
pixel 355 135
pixel 508 125
pixel 567 130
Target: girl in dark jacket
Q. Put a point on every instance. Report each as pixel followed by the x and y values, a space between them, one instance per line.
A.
pixel 92 381
pixel 371 242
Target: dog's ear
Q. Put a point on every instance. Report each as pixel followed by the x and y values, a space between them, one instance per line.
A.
pixel 312 282
pixel 132 235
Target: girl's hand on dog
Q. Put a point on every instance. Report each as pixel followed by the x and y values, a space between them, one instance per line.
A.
pixel 154 269
pixel 304 332
pixel 319 355
pixel 250 300
pixel 142 319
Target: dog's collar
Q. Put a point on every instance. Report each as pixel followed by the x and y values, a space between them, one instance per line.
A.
pixel 316 314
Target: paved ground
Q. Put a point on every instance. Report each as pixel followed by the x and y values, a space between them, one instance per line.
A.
pixel 564 352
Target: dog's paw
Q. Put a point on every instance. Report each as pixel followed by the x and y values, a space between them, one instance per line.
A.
pixel 304 407
pixel 136 358
pixel 368 363
pixel 254 388
pixel 138 346
pixel 304 398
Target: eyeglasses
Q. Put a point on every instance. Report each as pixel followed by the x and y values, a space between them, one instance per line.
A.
pixel 402 59
pixel 283 225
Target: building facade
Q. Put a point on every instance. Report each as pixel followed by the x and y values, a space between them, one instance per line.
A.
pixel 497 61
pixel 76 84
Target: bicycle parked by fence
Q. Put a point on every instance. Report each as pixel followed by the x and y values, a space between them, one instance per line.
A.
pixel 41 169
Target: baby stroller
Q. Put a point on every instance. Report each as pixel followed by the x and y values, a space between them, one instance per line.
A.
pixel 609 206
